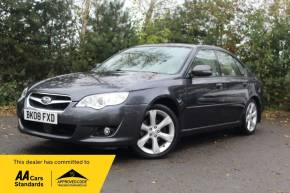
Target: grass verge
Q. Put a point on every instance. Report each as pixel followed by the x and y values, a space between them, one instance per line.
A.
pixel 9 110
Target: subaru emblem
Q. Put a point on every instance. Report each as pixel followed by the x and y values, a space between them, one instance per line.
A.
pixel 46 100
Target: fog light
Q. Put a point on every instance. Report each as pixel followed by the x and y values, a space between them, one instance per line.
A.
pixel 107 131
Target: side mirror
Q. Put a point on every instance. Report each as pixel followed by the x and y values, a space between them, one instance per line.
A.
pixel 201 70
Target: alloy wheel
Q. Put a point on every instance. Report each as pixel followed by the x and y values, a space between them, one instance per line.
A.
pixel 251 117
pixel 157 132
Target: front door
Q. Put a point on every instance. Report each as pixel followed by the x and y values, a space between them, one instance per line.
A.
pixel 204 104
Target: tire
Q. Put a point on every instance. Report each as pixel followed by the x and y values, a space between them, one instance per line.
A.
pixel 250 118
pixel 158 133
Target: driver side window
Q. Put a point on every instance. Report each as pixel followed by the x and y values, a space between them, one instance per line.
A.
pixel 207 57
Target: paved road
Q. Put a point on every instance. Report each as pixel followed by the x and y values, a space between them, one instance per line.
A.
pixel 219 162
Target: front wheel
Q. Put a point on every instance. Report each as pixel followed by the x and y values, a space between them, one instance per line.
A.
pixel 158 133
pixel 250 118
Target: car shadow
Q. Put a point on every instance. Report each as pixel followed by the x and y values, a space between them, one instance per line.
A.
pixel 204 138
pixel 124 155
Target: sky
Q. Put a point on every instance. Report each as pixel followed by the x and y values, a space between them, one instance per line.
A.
pixel 137 15
pixel 128 3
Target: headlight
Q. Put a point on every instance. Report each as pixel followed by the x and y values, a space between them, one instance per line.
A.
pixel 24 92
pixel 99 101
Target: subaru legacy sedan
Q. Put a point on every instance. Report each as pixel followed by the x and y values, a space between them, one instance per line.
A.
pixel 146 97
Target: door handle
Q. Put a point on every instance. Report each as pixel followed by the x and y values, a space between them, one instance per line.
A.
pixel 245 84
pixel 219 85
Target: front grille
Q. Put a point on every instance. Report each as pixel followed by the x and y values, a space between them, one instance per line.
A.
pixel 64 130
pixel 57 102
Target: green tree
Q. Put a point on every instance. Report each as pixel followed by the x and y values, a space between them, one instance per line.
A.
pixel 266 50
pixel 110 30
pixel 158 31
pixel 203 21
pixel 37 38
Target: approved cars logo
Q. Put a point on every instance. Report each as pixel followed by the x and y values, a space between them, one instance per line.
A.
pixel 72 178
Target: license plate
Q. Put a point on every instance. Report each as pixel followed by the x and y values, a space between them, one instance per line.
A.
pixel 40 116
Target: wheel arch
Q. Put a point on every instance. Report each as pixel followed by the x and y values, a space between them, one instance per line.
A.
pixel 167 101
pixel 259 105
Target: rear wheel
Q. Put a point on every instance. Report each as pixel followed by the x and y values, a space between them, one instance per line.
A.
pixel 250 118
pixel 158 133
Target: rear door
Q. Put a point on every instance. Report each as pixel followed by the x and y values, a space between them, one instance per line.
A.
pixel 203 104
pixel 235 87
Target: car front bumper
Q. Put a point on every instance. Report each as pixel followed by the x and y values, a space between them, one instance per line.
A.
pixel 86 125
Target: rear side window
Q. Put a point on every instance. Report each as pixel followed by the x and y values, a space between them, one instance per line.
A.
pixel 207 57
pixel 240 66
pixel 228 65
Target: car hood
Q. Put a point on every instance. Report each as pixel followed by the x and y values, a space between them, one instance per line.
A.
pixel 78 85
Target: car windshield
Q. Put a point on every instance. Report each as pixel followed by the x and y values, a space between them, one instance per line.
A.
pixel 164 60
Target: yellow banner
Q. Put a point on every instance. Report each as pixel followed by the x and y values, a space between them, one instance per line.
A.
pixel 54 173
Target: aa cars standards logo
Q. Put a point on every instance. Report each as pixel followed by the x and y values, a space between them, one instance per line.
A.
pixel 25 179
pixel 72 178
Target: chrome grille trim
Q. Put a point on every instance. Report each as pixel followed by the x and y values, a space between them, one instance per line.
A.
pixel 52 102
pixel 46 106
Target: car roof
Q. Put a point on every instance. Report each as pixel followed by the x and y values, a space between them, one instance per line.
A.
pixel 192 46
pixel 195 46
pixel 168 45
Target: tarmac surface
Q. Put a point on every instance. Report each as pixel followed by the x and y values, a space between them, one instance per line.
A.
pixel 216 162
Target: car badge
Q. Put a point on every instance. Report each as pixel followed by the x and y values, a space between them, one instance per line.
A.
pixel 46 100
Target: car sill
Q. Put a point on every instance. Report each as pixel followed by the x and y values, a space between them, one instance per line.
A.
pixel 210 126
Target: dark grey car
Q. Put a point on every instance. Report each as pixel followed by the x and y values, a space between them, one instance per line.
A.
pixel 145 97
